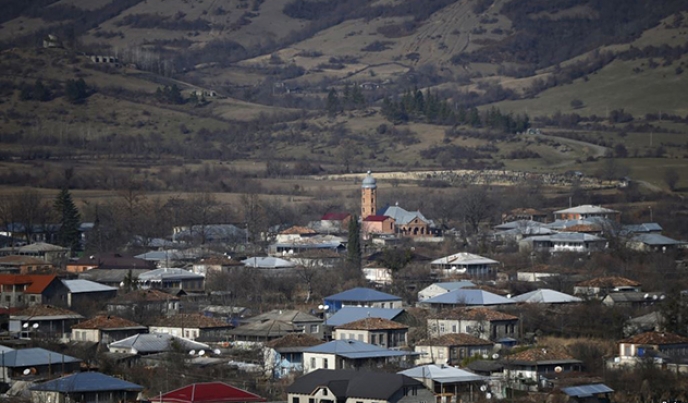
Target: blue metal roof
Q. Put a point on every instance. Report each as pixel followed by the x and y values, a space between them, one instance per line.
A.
pixel 355 349
pixel 350 314
pixel 587 390
pixel 86 382
pixel 361 294
pixel 468 297
pixel 32 357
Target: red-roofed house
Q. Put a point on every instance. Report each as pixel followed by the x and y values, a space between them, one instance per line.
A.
pixel 20 290
pixel 652 344
pixel 337 219
pixel 210 392
pixel 377 224
pixel 106 329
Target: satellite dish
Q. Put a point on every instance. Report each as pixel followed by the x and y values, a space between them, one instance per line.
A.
pixel 483 388
pixel 192 352
pixel 488 395
pixel 508 295
pixel 326 307
pixel 646 296
pixel 201 353
pixel 558 369
pixel 217 351
pixel 321 307
pixel 35 326
pixel 655 297
pixel 662 297
pixel 485 356
pixel 25 325
pixel 26 371
pixel 495 356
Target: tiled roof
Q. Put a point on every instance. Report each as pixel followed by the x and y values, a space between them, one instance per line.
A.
pixel 656 338
pixel 138 296
pixel 193 320
pixel 377 218
pixel 455 339
pixel 372 324
pixel 47 310
pixel 609 282
pixel 296 229
pixel 210 392
pixel 295 340
pixel 106 322
pixel 474 314
pixel 538 354
pixel 36 283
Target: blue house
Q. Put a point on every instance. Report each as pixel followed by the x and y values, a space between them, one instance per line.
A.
pixel 285 355
pixel 361 297
pixel 86 387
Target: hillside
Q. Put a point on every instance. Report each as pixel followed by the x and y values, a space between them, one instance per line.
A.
pixel 274 82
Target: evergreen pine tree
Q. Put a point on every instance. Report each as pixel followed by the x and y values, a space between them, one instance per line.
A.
pixel 346 97
pixel 357 97
pixel 354 246
pixel 68 234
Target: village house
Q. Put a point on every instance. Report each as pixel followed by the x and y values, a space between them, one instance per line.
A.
pixel 327 386
pixel 452 349
pixel 599 287
pixel 49 253
pixel 351 354
pixel 43 321
pixel 173 279
pixel 449 384
pixel 86 387
pixel 483 323
pixel 654 243
pixel 85 293
pixel 113 261
pixel 215 264
pixel 376 331
pixel 154 343
pixel 531 369
pixel 465 263
pixel 664 346
pixel 20 290
pixel 275 324
pixel 35 364
pixel 112 278
pixel 464 297
pixel 284 356
pixel 632 299
pixel 208 392
pixel 332 223
pixel 350 314
pixel 563 242
pixel 105 329
pixel 545 296
pixel 143 304
pixel 436 289
pixel 15 264
pixel 587 211
pixel 361 297
pixel 192 326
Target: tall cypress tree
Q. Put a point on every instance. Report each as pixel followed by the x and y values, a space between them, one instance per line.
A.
pixel 68 234
pixel 354 246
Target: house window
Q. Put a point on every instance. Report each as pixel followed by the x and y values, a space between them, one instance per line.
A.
pixel 312 362
pixel 360 337
pixel 311 400
pixel 32 298
pixel 373 339
pixel 324 392
pixel 325 364
pixel 314 328
pixel 441 328
pixel 294 400
pixel 453 328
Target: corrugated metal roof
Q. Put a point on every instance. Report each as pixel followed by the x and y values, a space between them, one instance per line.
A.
pixel 350 314
pixel 586 209
pixel 32 357
pixel 355 349
pixel 545 296
pixel 210 392
pixel 79 286
pixel 442 374
pixel 87 382
pixel 587 390
pixel 360 294
pixel 656 240
pixel 168 273
pixel 463 296
pixel 268 263
pixel 348 385
pixel 464 258
pixel 155 342
pixel 402 216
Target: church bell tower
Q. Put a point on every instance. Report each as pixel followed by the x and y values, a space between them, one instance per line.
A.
pixel 368 196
